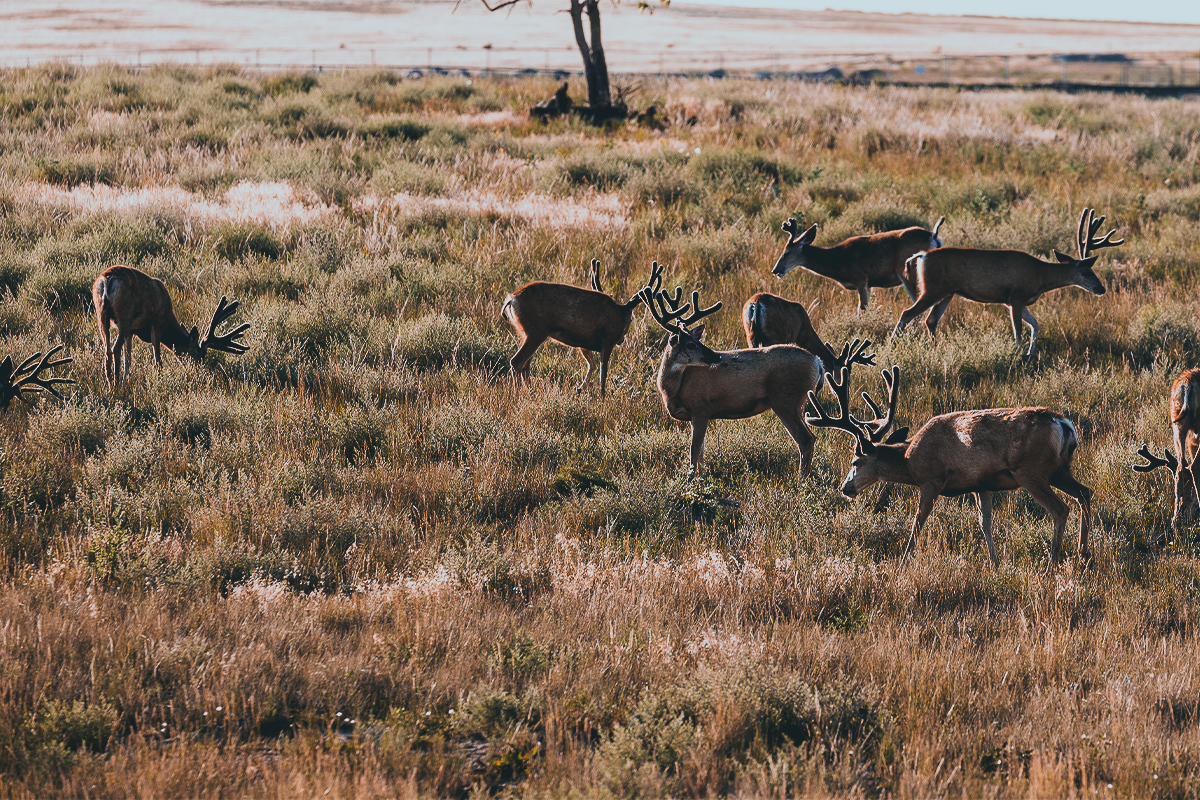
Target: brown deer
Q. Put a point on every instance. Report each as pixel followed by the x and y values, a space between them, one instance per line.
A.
pixel 28 378
pixel 859 263
pixel 140 306
pixel 699 384
pixel 1008 277
pixel 1185 424
pixel 584 318
pixel 770 319
pixel 964 452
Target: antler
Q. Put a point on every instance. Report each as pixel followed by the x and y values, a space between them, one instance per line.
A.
pixel 1086 238
pixel 1154 462
pixel 658 301
pixel 226 342
pixel 791 228
pixel 844 422
pixel 877 428
pixel 28 376
pixel 596 275
pixel 852 353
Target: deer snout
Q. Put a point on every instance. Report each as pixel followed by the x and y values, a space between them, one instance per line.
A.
pixel 848 489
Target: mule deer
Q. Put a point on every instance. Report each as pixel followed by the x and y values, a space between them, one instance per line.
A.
pixel 964 452
pixel 699 384
pixel 584 318
pixel 140 306
pixel 28 378
pixel 1009 277
pixel 1185 424
pixel 859 263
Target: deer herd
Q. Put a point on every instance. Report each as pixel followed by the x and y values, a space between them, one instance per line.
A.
pixel 783 369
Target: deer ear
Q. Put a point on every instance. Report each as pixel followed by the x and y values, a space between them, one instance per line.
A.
pixel 697 333
pixel 1063 258
pixel 673 340
pixel 809 236
pixel 897 436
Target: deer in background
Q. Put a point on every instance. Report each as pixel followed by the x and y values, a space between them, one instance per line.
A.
pixel 1185 424
pixel 28 378
pixel 140 306
pixel 770 319
pixel 584 318
pixel 964 452
pixel 699 384
pixel 859 263
pixel 1009 277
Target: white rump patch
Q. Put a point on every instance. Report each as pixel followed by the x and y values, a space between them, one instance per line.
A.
pixel 1068 437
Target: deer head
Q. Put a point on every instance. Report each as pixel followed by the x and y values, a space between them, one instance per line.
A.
pixel 683 345
pixel 28 377
pixel 1086 243
pixel 795 246
pixel 226 342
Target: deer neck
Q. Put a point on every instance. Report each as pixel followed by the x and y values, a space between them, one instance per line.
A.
pixel 175 336
pixel 828 262
pixel 1055 276
pixel 891 464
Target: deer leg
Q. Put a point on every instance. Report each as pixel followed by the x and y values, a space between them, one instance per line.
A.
pixel 115 356
pixel 1186 487
pixel 590 358
pixel 864 296
pixel 128 355
pixel 923 304
pixel 935 315
pixel 1033 328
pixel 1057 509
pixel 929 493
pixel 605 357
pixel 1015 312
pixel 154 345
pixel 519 363
pixel 1066 483
pixel 985 521
pixel 104 332
pixel 699 428
pixel 802 436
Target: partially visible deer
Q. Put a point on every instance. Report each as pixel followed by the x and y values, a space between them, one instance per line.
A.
pixel 1185 424
pixel 964 452
pixel 585 318
pixel 28 378
pixel 698 384
pixel 140 306
pixel 770 319
pixel 1009 277
pixel 859 263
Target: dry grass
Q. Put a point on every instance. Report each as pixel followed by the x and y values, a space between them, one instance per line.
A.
pixel 368 564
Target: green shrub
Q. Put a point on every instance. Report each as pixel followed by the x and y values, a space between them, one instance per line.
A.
pixel 77 171
pixel 236 241
pixel 436 340
pixel 290 83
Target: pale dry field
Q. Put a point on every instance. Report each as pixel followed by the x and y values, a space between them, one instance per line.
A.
pixel 366 563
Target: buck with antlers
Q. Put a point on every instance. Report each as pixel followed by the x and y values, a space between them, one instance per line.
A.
pixel 1009 277
pixel 1185 424
pixel 29 377
pixel 699 384
pixel 140 306
pixel 964 452
pixel 859 263
pixel 584 318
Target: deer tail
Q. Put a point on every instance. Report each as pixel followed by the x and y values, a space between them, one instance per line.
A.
pixel 509 309
pixel 1188 400
pixel 1070 440
pixel 934 241
pixel 754 322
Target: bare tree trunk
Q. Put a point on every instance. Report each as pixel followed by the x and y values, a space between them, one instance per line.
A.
pixel 595 69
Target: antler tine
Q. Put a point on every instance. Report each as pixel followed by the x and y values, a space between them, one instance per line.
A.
pixel 844 422
pixel 28 376
pixel 655 299
pixel 697 312
pixel 877 428
pixel 1153 462
pixel 226 342
pixel 852 353
pixel 1089 223
pixel 596 275
pixel 791 227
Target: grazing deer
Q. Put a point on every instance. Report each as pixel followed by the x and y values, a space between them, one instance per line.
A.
pixel 964 452
pixel 585 318
pixel 1185 423
pixel 28 378
pixel 1009 277
pixel 699 384
pixel 140 306
pixel 860 262
pixel 770 319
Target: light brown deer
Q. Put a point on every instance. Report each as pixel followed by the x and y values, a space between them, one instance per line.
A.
pixel 140 306
pixel 1185 424
pixel 964 452
pixel 584 318
pixel 859 263
pixel 1009 277
pixel 28 378
pixel 698 384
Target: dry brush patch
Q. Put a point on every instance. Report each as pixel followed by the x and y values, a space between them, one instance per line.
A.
pixel 365 561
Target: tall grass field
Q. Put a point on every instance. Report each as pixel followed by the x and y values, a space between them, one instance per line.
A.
pixel 361 561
